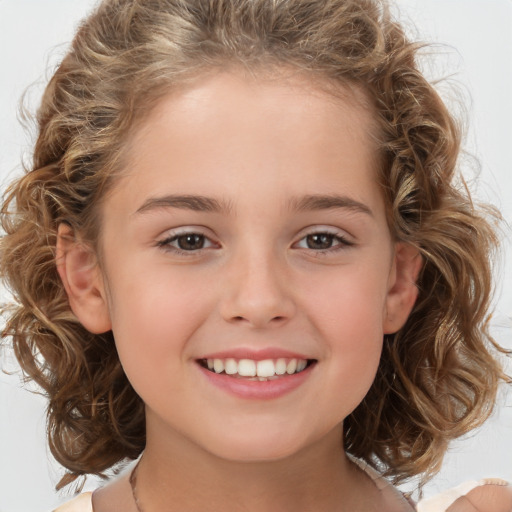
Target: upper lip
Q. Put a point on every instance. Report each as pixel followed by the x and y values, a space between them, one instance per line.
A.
pixel 256 355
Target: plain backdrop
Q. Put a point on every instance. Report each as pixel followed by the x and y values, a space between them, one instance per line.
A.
pixel 473 53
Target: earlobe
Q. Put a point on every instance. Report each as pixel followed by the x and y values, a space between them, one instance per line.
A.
pixel 82 280
pixel 403 292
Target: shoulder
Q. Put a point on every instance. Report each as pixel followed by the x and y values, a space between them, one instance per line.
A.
pixel 82 503
pixel 490 495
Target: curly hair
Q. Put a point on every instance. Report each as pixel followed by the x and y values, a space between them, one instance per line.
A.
pixel 438 375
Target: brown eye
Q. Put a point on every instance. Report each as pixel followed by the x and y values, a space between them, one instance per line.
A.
pixel 320 241
pixel 186 242
pixel 190 242
pixel 323 242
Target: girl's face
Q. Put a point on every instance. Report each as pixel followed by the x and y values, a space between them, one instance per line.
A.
pixel 249 234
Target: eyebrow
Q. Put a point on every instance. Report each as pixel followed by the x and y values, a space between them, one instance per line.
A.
pixel 186 202
pixel 211 205
pixel 328 202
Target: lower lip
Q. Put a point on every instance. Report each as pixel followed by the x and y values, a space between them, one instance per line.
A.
pixel 255 389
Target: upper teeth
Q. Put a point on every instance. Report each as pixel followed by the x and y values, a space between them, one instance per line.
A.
pixel 252 368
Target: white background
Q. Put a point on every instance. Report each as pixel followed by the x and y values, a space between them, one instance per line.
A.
pixel 476 55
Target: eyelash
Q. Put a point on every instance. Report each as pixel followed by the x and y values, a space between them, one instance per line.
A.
pixel 342 242
pixel 166 244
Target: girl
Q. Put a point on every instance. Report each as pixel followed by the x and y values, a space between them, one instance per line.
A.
pixel 242 253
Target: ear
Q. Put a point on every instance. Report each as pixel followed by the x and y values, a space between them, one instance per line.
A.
pixel 402 292
pixel 81 276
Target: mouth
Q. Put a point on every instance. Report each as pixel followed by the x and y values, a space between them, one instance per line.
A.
pixel 256 370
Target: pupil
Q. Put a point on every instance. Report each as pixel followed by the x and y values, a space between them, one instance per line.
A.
pixel 191 242
pixel 320 241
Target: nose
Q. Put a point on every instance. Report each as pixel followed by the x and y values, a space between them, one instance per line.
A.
pixel 257 291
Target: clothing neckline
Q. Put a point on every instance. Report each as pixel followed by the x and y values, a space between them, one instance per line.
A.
pixel 389 492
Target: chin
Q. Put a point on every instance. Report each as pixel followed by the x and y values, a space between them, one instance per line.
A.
pixel 258 445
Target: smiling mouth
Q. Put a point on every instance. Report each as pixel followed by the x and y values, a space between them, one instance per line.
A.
pixel 249 369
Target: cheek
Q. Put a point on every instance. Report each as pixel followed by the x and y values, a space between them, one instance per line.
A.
pixel 153 316
pixel 349 302
pixel 349 315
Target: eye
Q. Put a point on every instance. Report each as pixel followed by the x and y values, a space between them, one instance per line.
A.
pixel 323 241
pixel 186 242
pixel 320 241
pixel 189 241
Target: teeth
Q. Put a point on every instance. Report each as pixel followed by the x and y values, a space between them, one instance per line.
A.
pixel 218 365
pixel 301 364
pixel 247 368
pixel 266 369
pixel 231 367
pixel 291 367
pixel 280 366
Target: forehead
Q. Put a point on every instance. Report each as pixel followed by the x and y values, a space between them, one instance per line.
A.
pixel 232 95
pixel 242 128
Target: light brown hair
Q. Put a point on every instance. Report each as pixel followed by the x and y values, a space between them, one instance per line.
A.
pixel 438 376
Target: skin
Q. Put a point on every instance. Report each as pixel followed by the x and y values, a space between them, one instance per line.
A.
pixel 485 498
pixel 258 149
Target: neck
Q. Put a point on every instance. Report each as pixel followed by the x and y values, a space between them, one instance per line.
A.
pixel 319 477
